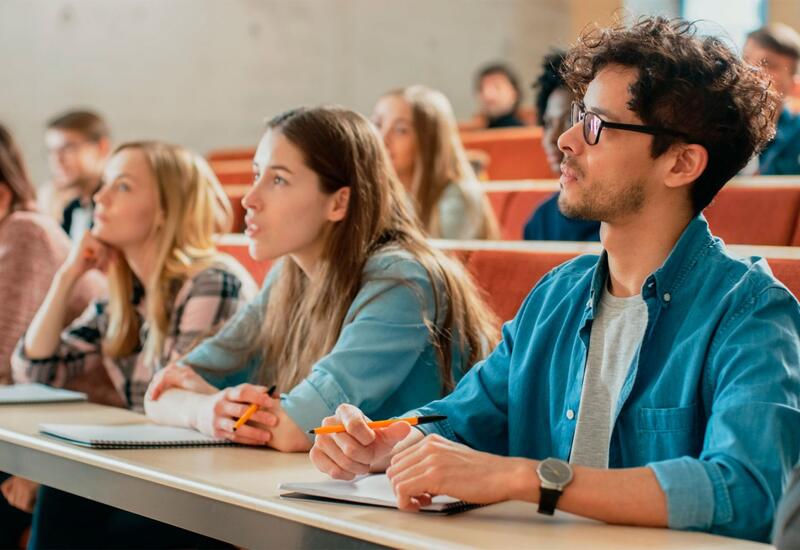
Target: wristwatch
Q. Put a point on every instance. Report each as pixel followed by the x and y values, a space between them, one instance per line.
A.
pixel 554 475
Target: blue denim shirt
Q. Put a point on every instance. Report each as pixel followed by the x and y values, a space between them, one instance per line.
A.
pixel 383 361
pixel 710 402
pixel 782 156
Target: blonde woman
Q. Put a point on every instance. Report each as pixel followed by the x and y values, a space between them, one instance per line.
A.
pixel 420 132
pixel 155 217
pixel 360 310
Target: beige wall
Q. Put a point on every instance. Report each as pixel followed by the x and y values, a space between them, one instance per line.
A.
pixel 206 72
pixel 588 12
pixel 785 11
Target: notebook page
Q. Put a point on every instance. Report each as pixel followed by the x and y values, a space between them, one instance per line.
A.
pixel 371 489
pixel 15 394
pixel 128 434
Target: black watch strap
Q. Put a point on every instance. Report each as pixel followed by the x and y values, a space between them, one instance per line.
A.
pixel 547 500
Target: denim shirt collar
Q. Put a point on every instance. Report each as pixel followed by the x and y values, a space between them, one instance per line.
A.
pixel 673 273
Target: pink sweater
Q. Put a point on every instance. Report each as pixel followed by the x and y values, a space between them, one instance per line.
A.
pixel 32 248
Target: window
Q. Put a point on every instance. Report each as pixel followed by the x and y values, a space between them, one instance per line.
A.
pixel 728 19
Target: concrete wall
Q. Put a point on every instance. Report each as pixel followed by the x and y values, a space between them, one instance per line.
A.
pixel 205 73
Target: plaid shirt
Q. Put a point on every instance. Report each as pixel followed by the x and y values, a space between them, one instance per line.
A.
pixel 202 304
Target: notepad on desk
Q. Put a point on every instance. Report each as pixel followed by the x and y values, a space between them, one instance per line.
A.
pixel 129 436
pixel 18 394
pixel 372 490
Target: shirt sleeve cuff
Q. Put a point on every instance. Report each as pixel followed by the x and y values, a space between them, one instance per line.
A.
pixel 696 494
pixel 442 428
pixel 313 399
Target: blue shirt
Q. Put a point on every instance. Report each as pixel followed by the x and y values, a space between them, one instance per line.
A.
pixel 383 362
pixel 710 401
pixel 782 156
pixel 548 224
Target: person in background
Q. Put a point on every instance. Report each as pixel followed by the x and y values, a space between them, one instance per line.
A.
pixel 656 384
pixel 553 102
pixel 499 96
pixel 420 133
pixel 157 212
pixel 776 48
pixel 361 309
pixel 78 144
pixel 32 247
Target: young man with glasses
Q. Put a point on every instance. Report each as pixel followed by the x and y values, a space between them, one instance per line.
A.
pixel 78 144
pixel 657 384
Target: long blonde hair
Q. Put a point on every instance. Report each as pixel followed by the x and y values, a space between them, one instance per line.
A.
pixel 304 317
pixel 194 208
pixel 441 162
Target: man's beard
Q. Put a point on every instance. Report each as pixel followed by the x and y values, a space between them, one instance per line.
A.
pixel 598 204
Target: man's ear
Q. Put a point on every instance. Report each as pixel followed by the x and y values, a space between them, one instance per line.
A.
pixel 104 146
pixel 339 204
pixel 688 161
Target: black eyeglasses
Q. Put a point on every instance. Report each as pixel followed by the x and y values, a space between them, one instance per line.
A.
pixel 593 125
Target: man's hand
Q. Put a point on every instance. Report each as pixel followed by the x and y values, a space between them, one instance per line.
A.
pixel 360 449
pixel 438 466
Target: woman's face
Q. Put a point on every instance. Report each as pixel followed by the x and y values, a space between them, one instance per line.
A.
pixel 394 119
pixel 287 211
pixel 127 207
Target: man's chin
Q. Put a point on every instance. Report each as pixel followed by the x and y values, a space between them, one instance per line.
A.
pixel 576 212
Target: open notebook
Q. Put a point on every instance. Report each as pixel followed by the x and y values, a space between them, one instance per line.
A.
pixel 373 490
pixel 17 394
pixel 129 436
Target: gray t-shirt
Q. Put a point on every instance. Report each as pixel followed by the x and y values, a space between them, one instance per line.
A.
pixel 617 332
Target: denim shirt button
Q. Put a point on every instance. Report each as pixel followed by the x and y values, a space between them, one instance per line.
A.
pixel 667 297
pixel 570 414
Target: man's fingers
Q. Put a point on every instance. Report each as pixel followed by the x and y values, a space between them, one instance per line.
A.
pixel 342 460
pixel 352 448
pixel 355 423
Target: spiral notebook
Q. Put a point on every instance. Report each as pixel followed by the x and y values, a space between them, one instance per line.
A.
pixel 371 490
pixel 17 394
pixel 129 436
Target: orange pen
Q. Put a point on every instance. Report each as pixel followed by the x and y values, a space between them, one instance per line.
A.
pixel 251 410
pixel 413 420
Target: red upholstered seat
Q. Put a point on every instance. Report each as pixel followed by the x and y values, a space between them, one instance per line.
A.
pixel 755 214
pixel 506 276
pixel 787 271
pixel 514 153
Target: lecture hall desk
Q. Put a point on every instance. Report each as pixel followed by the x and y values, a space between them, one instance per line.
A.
pixel 231 494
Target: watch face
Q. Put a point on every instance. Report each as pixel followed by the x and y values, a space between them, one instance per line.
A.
pixel 555 471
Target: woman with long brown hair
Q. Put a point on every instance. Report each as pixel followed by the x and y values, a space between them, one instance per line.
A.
pixel 421 134
pixel 361 309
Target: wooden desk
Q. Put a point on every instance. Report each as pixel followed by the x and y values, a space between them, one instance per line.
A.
pixel 231 494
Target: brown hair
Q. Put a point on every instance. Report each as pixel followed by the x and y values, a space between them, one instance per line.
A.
pixel 304 317
pixel 442 161
pixel 779 38
pixel 696 86
pixel 14 174
pixel 87 123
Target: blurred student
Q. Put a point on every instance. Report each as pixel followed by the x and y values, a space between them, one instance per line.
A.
pixel 419 130
pixel 657 384
pixel 156 214
pixel 776 48
pixel 499 96
pixel 361 309
pixel 78 144
pixel 32 247
pixel 553 103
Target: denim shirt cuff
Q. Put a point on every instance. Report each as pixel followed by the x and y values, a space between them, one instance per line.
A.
pixel 695 492
pixel 442 428
pixel 313 399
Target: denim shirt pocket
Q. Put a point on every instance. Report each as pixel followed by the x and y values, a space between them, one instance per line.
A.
pixel 668 433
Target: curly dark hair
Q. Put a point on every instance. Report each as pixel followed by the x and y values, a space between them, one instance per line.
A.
pixel 549 81
pixel 695 85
